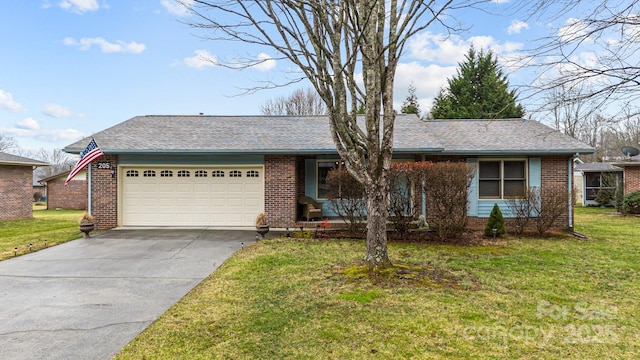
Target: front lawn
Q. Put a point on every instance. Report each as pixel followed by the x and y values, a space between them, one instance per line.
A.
pixel 522 298
pixel 54 226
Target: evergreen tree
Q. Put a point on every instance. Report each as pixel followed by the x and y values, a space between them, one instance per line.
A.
pixel 496 221
pixel 410 104
pixel 480 90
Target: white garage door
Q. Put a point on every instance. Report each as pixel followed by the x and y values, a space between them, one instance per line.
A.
pixel 191 196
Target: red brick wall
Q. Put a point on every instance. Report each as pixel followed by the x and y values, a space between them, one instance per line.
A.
pixel 280 193
pixel 72 196
pixel 631 179
pixel 16 192
pixel 555 172
pixel 104 193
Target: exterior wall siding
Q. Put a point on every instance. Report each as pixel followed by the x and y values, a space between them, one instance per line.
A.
pixel 281 189
pixel 104 193
pixel 72 196
pixel 631 179
pixel 16 192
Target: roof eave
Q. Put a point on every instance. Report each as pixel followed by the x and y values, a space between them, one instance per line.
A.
pixel 519 152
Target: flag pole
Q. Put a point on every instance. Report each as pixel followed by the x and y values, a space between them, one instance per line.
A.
pixel 89 178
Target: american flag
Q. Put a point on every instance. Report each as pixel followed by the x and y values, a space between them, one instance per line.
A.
pixel 89 154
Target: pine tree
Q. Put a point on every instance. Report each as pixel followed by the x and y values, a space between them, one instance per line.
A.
pixel 480 90
pixel 496 221
pixel 410 104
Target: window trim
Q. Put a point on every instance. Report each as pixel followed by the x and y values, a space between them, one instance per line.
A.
pixel 502 178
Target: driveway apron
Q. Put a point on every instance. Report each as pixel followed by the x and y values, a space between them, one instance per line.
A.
pixel 88 298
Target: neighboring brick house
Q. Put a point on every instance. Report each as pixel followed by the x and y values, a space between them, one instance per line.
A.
pixel 16 186
pixel 220 171
pixel 631 174
pixel 72 196
pixel 596 176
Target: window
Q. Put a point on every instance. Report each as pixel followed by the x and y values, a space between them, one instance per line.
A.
pixel 253 173
pixel 323 168
pixel 502 179
pixel 132 173
pixel 184 173
pixel 201 173
pixel 166 173
pixel 597 181
pixel 149 173
pixel 217 173
pixel 235 173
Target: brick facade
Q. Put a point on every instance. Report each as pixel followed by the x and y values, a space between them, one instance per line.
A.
pixel 16 192
pixel 281 189
pixel 72 196
pixel 104 193
pixel 555 173
pixel 631 179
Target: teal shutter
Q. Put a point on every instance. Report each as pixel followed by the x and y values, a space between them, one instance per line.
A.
pixel 472 197
pixel 535 172
pixel 310 178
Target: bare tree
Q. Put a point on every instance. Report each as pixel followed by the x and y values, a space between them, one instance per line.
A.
pixel 599 48
pixel 7 142
pixel 299 103
pixel 58 161
pixel 333 42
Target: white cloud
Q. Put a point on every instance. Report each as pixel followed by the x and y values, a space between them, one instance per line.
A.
pixel 7 102
pixel 51 135
pixel 105 46
pixel 266 62
pixel 177 8
pixel 201 60
pixel 575 29
pixel 451 49
pixel 517 26
pixel 28 124
pixel 59 111
pixel 427 79
pixel 79 6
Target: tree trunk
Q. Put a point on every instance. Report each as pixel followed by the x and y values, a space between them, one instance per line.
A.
pixel 377 256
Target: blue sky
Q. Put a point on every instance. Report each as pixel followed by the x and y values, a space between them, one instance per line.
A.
pixel 70 68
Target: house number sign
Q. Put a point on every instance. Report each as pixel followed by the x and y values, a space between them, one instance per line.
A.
pixel 104 165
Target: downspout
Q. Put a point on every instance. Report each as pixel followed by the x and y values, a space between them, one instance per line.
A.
pixel 570 191
pixel 89 177
pixel 424 195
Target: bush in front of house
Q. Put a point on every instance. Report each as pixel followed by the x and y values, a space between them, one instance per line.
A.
pixel 347 198
pixel 446 185
pixel 404 179
pixel 496 221
pixel 631 203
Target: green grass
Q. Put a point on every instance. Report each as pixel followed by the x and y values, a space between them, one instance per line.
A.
pixel 55 227
pixel 523 298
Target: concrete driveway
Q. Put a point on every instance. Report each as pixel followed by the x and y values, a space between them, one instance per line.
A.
pixel 88 298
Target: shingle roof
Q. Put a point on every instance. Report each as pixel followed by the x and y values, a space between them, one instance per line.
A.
pixel 596 167
pixel 503 135
pixel 310 134
pixel 9 159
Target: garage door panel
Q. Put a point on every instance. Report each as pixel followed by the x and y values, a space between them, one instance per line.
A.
pixel 192 201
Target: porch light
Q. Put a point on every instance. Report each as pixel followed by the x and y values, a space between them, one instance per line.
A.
pixel 113 173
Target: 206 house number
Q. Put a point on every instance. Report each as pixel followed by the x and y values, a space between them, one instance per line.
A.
pixel 104 165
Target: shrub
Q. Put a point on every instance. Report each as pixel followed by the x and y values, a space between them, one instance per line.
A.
pixel 403 208
pixel 631 203
pixel 603 197
pixel 37 196
pixel 521 209
pixel 446 185
pixel 496 221
pixel 548 204
pixel 346 197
